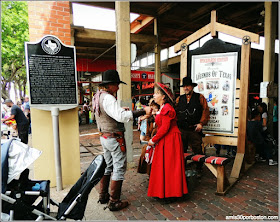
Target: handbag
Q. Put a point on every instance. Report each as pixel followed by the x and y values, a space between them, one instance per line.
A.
pixel 149 154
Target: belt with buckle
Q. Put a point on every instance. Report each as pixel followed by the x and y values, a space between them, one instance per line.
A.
pixel 110 135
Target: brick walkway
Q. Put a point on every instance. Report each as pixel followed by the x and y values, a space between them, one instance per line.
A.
pixel 255 194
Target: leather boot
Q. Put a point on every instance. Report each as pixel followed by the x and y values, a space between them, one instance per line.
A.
pixel 115 203
pixel 104 195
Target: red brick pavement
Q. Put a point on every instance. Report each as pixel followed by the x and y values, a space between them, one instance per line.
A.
pixel 256 193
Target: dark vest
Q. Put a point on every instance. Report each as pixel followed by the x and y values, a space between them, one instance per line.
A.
pixel 105 123
pixel 188 114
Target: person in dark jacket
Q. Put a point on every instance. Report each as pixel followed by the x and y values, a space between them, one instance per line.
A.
pixel 192 113
pixel 255 135
pixel 21 120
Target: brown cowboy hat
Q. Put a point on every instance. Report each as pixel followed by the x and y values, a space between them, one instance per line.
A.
pixel 166 90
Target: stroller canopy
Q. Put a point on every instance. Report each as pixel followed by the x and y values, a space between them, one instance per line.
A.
pixel 15 158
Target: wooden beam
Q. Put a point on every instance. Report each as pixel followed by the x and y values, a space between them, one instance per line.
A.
pixel 243 107
pixel 108 35
pixel 202 12
pixel 212 168
pixel 144 23
pixel 123 63
pixel 193 37
pixel 213 23
pixel 219 28
pixel 269 49
pixel 238 161
pixel 221 179
pixel 183 67
pixel 165 7
pixel 71 23
pixel 239 13
pixel 174 60
pixel 157 52
pixel 235 133
pixel 88 48
pixel 237 32
pixel 232 141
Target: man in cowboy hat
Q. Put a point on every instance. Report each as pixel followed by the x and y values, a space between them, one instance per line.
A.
pixel 110 119
pixel 193 113
pixel 21 120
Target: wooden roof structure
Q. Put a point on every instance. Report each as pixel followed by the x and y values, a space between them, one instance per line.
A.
pixel 177 20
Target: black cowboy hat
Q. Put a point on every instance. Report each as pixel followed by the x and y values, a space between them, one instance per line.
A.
pixel 187 81
pixel 111 76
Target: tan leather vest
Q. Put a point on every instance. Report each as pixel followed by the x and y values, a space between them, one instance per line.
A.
pixel 105 123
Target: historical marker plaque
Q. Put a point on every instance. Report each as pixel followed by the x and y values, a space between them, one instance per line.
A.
pixel 51 71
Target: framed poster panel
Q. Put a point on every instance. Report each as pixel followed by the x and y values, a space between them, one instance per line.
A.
pixel 215 75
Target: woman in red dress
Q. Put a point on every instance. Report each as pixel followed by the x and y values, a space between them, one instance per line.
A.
pixel 167 178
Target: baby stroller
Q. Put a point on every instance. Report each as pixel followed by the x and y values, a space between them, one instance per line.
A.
pixel 25 199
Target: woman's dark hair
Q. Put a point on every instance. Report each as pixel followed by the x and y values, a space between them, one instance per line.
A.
pixel 153 103
pixel 264 107
pixel 166 98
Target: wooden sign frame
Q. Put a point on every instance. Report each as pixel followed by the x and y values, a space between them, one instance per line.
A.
pixel 247 37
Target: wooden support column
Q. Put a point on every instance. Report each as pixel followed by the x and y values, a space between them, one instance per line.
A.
pixel 213 23
pixel 123 67
pixel 71 24
pixel 183 67
pixel 243 108
pixel 269 54
pixel 157 51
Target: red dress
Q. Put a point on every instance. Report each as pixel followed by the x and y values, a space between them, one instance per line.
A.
pixel 167 178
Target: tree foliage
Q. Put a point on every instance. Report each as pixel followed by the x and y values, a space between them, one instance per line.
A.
pixel 14 24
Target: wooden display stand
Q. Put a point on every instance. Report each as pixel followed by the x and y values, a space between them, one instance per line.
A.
pixel 238 138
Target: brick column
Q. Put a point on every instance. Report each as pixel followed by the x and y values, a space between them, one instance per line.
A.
pixel 53 18
pixel 49 18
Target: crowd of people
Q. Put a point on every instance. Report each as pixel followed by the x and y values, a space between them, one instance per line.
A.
pixel 19 115
pixel 168 126
pixel 164 137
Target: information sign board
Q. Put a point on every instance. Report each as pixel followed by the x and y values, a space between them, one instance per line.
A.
pixel 51 73
pixel 215 75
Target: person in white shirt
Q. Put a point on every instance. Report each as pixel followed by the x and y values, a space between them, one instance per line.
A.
pixel 110 119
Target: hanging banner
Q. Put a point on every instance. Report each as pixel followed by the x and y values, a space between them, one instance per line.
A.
pixel 215 75
pixel 142 76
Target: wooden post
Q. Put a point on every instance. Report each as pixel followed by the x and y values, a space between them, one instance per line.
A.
pixel 183 67
pixel 243 108
pixel 220 179
pixel 213 23
pixel 157 51
pixel 123 67
pixel 71 23
pixel 269 54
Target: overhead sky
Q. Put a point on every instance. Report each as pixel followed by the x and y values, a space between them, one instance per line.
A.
pixel 96 18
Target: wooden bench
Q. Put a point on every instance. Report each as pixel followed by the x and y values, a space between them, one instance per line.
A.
pixel 216 165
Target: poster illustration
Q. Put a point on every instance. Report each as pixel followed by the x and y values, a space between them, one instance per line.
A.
pixel 215 75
